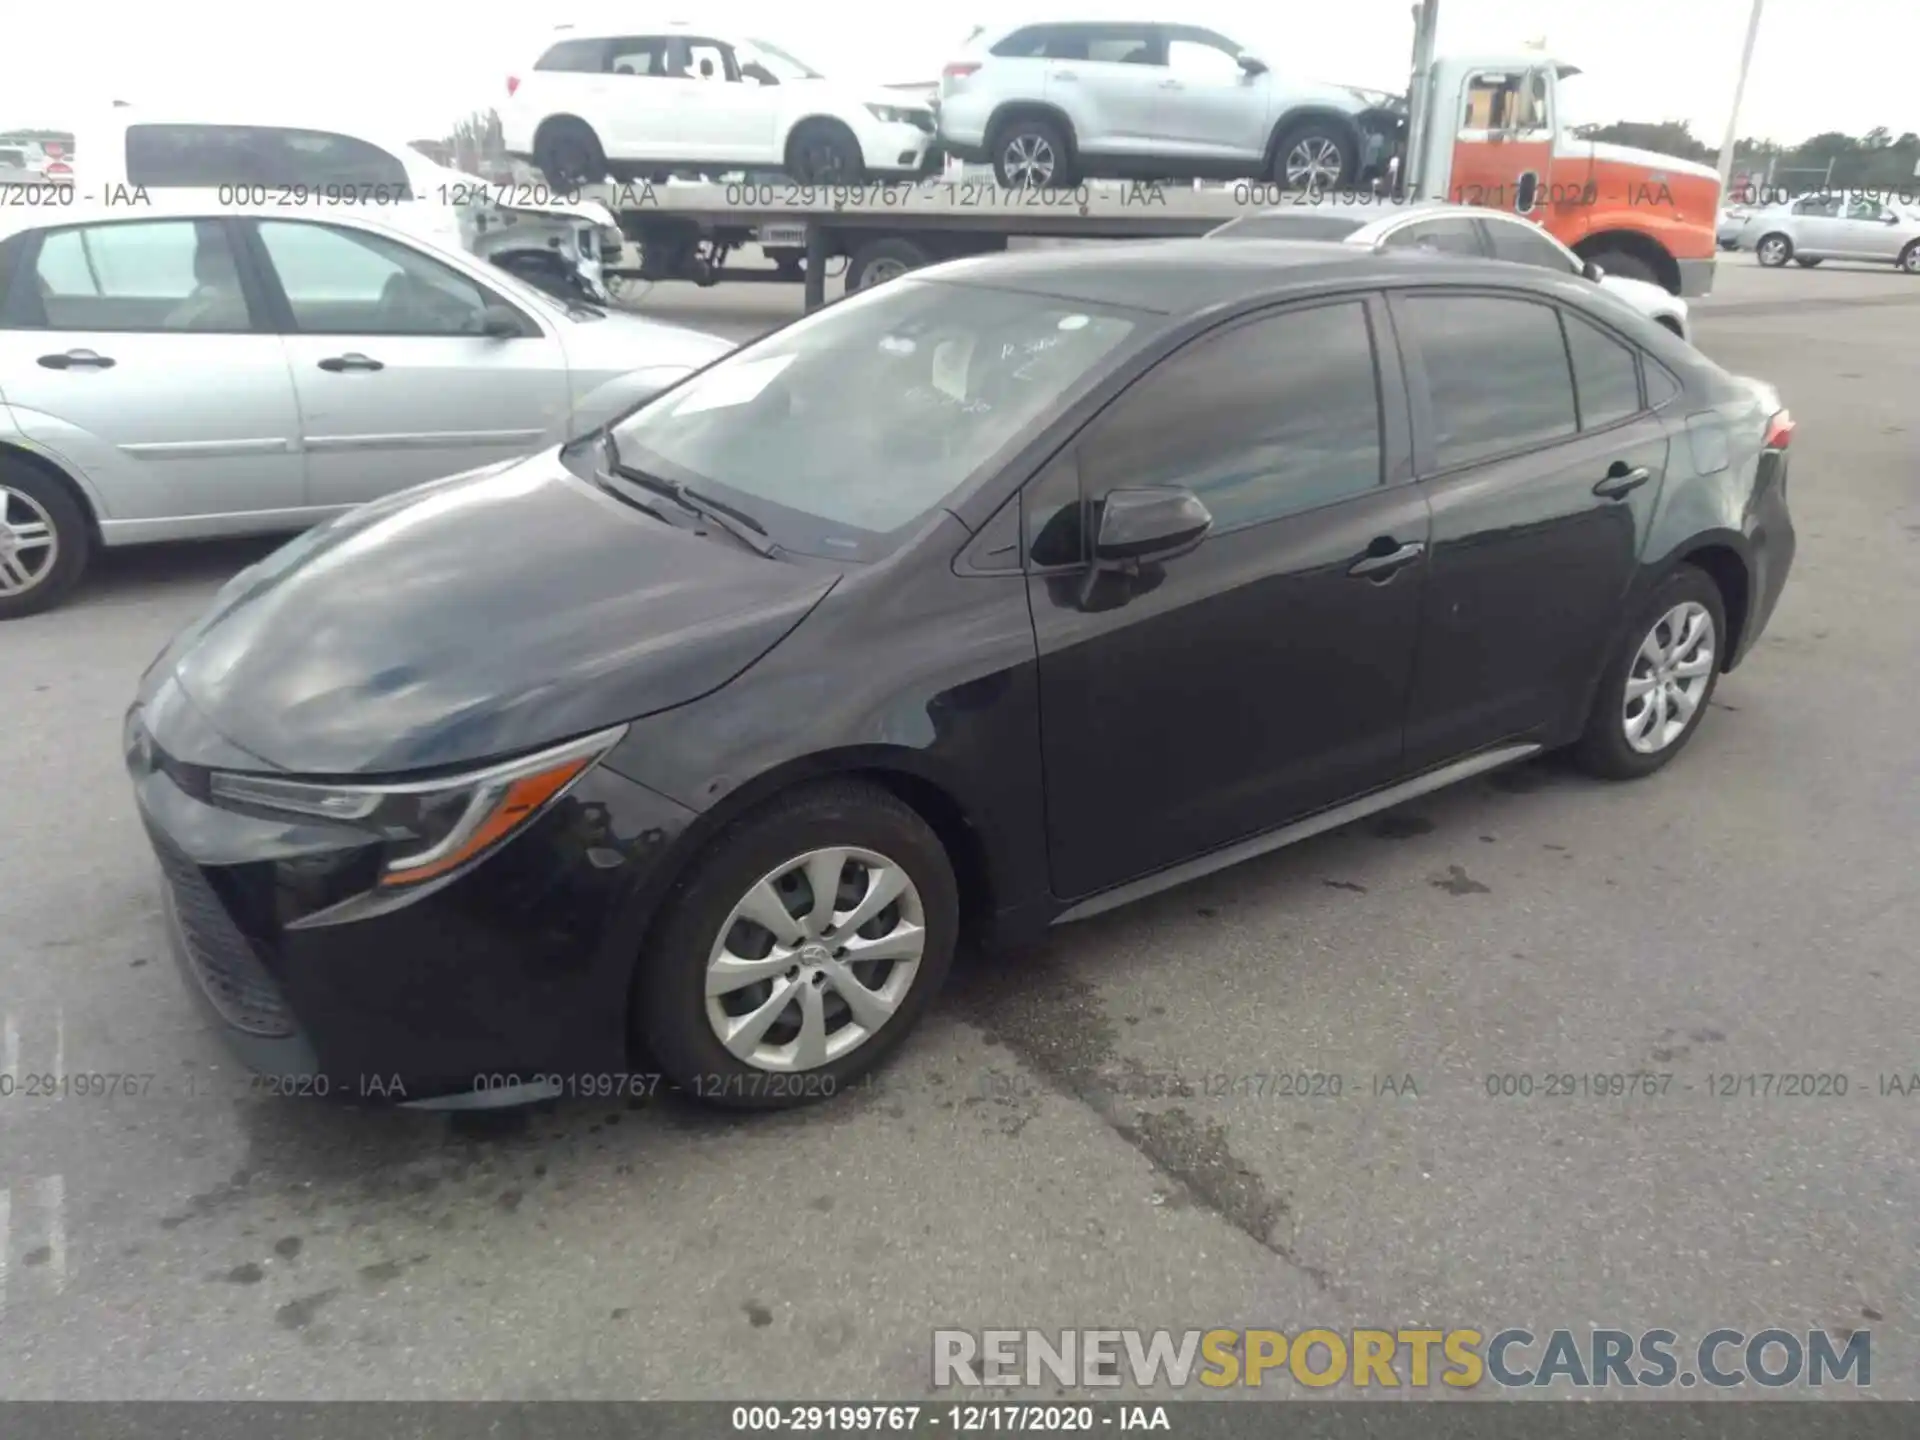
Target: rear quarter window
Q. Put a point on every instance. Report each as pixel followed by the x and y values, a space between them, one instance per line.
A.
pixel 575 57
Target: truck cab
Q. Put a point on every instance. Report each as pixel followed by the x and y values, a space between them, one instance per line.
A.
pixel 1488 130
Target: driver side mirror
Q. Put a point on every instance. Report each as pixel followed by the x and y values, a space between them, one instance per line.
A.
pixel 1154 523
pixel 497 322
pixel 1251 63
pixel 1592 271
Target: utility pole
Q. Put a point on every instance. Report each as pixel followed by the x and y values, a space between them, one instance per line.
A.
pixel 1739 92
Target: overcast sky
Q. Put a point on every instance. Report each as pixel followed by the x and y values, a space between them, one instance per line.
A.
pixel 415 66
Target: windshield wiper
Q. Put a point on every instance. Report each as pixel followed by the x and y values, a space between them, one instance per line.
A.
pixel 737 523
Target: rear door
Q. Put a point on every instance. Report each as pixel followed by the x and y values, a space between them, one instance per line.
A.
pixel 1111 82
pixel 133 352
pixel 722 115
pixel 640 108
pixel 1260 677
pixel 1542 465
pixel 397 384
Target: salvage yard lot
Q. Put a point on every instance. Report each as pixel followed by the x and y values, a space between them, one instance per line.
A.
pixel 1096 1133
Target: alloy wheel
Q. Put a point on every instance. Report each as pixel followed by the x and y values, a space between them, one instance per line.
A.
pixel 29 545
pixel 1028 160
pixel 1773 251
pixel 814 959
pixel 1668 678
pixel 881 271
pixel 1313 163
pixel 1910 260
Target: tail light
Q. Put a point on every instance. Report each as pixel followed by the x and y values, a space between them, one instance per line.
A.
pixel 959 69
pixel 513 84
pixel 1779 431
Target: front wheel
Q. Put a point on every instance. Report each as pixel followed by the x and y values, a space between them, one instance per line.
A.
pixel 800 950
pixel 1773 251
pixel 1658 683
pixel 1909 260
pixel 824 152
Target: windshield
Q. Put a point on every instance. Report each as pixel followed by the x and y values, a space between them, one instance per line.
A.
pixel 846 427
pixel 783 65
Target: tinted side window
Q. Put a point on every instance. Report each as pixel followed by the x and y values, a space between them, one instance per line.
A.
pixel 147 275
pixel 577 56
pixel 642 55
pixel 1524 245
pixel 1606 376
pixel 1270 418
pixel 1497 374
pixel 208 156
pixel 348 282
pixel 1450 237
pixel 1023 44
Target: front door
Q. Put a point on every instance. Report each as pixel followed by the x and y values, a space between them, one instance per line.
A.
pixel 396 380
pixel 131 351
pixel 721 115
pixel 1503 140
pixel 1257 678
pixel 1542 467
pixel 1210 108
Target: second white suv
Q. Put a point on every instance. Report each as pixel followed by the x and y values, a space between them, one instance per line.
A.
pixel 1049 104
pixel 629 103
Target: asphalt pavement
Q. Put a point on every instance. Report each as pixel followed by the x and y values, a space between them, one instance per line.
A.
pixel 1095 1133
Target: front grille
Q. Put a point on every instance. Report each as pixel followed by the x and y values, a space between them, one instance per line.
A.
pixel 221 958
pixel 921 120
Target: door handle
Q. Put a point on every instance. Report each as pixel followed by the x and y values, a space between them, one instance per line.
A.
pixel 1063 75
pixel 1622 481
pixel 1171 85
pixel 1380 563
pixel 77 360
pixel 353 361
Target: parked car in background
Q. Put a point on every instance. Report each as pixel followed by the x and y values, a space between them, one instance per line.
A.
pixel 172 372
pixel 323 165
pixel 646 99
pixel 697 747
pixel 1052 102
pixel 1835 225
pixel 1468 230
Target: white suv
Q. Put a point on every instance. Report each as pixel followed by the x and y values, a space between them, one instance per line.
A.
pixel 631 102
pixel 1048 104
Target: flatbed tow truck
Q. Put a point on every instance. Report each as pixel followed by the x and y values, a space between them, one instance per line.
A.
pixel 1478 130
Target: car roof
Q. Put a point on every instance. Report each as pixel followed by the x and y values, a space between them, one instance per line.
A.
pixel 1181 278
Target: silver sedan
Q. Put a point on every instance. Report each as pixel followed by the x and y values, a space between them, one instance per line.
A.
pixel 1832 226
pixel 172 373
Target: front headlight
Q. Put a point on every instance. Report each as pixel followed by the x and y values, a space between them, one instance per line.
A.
pixel 894 114
pixel 430 827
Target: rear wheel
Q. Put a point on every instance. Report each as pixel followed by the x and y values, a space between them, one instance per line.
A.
pixel 568 154
pixel 1657 684
pixel 44 540
pixel 1774 250
pixel 1909 260
pixel 1032 153
pixel 802 948
pixel 879 261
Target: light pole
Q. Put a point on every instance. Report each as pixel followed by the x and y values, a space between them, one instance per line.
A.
pixel 1739 90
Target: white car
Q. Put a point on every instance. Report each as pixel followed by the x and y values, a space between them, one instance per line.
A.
pixel 1452 229
pixel 177 370
pixel 628 103
pixel 317 163
pixel 1834 225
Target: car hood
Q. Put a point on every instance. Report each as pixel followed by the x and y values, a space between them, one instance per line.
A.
pixel 1652 160
pixel 617 343
pixel 470 618
pixel 1643 295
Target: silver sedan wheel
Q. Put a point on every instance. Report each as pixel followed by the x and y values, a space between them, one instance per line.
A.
pixel 1028 160
pixel 29 545
pixel 1772 251
pixel 1314 163
pixel 814 959
pixel 1668 678
pixel 1910 259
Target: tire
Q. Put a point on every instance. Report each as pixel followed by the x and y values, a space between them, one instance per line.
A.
pixel 879 261
pixel 569 154
pixel 790 264
pixel 1032 152
pixel 823 152
pixel 1327 152
pixel 1626 265
pixel 1909 260
pixel 1807 260
pixel 1605 749
pixel 673 1020
pixel 38 515
pixel 1773 250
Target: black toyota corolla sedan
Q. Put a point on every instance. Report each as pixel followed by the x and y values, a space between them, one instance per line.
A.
pixel 987 599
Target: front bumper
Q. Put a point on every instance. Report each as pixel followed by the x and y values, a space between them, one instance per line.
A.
pixel 894 147
pixel 509 981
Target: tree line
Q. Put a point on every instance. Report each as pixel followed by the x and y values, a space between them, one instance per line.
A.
pixel 1877 160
